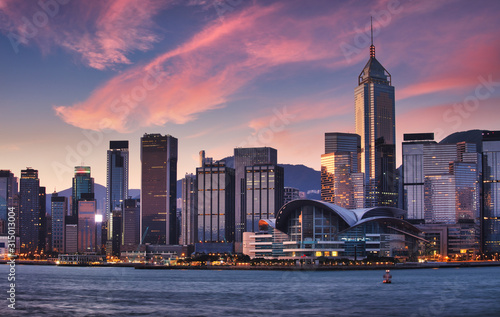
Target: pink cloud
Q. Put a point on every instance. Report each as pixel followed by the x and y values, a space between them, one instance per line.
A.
pixel 203 72
pixel 102 33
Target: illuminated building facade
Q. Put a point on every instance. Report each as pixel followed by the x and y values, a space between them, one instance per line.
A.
pixel 87 224
pixel 215 203
pixel 312 229
pixel 189 211
pixel 264 186
pixel 244 157
pixel 491 192
pixel 83 183
pixel 341 184
pixel 441 192
pixel 131 224
pixel 29 210
pixel 375 124
pixel 159 189
pixel 59 210
pixel 8 190
pixel 116 180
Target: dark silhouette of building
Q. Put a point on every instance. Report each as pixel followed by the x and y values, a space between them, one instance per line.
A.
pixel 158 189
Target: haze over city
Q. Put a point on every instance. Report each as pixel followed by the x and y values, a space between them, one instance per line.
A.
pixel 217 75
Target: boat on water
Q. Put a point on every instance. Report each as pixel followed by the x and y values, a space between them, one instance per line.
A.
pixel 387 277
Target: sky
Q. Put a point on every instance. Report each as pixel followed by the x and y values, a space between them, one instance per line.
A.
pixel 218 74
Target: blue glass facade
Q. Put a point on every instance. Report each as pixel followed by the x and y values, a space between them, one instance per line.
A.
pixel 491 192
pixel 117 179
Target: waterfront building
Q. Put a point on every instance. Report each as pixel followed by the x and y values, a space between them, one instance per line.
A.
pixel 131 225
pixel 189 209
pixel 491 192
pixel 87 234
pixel 441 190
pixel 375 124
pixel 116 240
pixel 341 183
pixel 71 235
pixel 116 180
pixel 264 187
pixel 312 229
pixel 159 189
pixel 59 210
pixel 244 157
pixel 8 190
pixel 29 211
pixel 215 203
pixel 83 183
pixel 42 220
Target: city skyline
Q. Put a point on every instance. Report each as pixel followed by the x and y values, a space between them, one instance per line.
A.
pixel 276 74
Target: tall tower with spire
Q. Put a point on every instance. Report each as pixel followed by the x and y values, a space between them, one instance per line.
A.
pixel 375 123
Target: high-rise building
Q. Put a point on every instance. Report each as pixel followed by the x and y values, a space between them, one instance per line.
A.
pixel 491 193
pixel 29 210
pixel 441 191
pixel 83 183
pixel 8 190
pixel 116 226
pixel 413 174
pixel 375 123
pixel 244 157
pixel 290 193
pixel 117 179
pixel 159 189
pixel 264 186
pixel 87 224
pixel 42 220
pixel 215 203
pixel 189 217
pixel 59 210
pixel 71 235
pixel 131 224
pixel 341 182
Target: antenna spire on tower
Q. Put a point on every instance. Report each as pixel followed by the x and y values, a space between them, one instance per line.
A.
pixel 372 47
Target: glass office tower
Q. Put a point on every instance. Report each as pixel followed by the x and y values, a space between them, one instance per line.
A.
pixel 264 189
pixel 491 192
pixel 29 210
pixel 8 190
pixel 116 180
pixel 215 203
pixel 83 183
pixel 244 157
pixel 375 123
pixel 158 189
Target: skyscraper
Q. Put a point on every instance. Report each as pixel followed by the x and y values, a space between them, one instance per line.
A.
pixel 82 184
pixel 116 180
pixel 375 123
pixel 29 210
pixel 491 192
pixel 264 186
pixel 59 207
pixel 441 192
pixel 42 219
pixel 158 189
pixel 244 157
pixel 8 189
pixel 87 224
pixel 189 209
pixel 215 203
pixel 341 183
pixel 131 224
pixel 413 174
